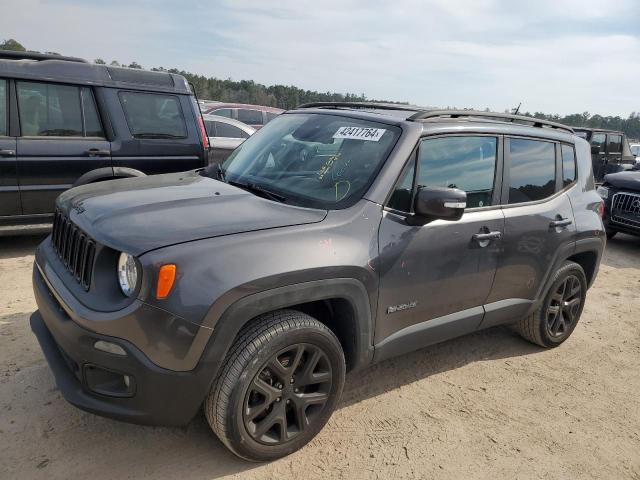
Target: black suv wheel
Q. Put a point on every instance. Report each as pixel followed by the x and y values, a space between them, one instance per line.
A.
pixel 278 387
pixel 558 315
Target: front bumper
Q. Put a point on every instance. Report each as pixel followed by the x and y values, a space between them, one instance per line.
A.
pixel 157 396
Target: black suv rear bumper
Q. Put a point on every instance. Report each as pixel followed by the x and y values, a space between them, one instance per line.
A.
pixel 155 396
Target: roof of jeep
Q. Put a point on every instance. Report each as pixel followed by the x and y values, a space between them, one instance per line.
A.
pixel 41 67
pixel 435 121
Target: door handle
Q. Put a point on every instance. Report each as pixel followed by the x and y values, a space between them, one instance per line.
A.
pixel 483 237
pixel 7 153
pixel 96 152
pixel 561 222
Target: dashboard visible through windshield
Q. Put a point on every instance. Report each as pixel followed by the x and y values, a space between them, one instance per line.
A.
pixel 315 160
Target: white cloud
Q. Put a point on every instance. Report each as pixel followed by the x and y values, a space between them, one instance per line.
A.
pixel 559 56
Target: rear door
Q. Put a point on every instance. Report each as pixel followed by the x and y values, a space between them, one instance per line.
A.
pixel 61 139
pixel 614 153
pixel 9 191
pixel 599 155
pixel 539 225
pixel 157 132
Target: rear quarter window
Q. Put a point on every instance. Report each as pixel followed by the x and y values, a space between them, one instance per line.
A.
pixel 152 115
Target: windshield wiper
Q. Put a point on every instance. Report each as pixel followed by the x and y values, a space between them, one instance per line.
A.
pixel 259 190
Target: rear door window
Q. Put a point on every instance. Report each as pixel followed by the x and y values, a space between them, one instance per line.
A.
pixel 467 163
pixel 270 116
pixel 92 124
pixel 532 171
pixel 3 108
pixel 48 109
pixel 229 131
pixel 598 140
pixel 614 143
pixel 152 115
pixel 250 117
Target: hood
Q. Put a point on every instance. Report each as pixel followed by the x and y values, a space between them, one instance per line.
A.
pixel 136 215
pixel 629 180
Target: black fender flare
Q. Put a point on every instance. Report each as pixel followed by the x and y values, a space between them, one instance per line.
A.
pixel 237 315
pixel 107 173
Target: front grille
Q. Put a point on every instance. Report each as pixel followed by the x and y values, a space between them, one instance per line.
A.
pixel 625 209
pixel 75 249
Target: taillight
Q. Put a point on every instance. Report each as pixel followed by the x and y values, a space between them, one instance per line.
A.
pixel 203 132
pixel 601 209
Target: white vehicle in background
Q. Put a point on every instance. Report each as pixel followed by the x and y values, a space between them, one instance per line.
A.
pixel 635 151
pixel 225 134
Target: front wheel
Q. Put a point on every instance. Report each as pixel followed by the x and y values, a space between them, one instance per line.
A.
pixel 278 386
pixel 561 309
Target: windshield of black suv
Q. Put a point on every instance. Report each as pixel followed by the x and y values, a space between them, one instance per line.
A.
pixel 314 160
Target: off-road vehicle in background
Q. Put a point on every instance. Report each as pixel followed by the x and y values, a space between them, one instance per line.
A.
pixel 66 122
pixel 337 236
pixel 621 194
pixel 610 151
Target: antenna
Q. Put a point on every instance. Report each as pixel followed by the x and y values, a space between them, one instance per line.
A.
pixel 517 109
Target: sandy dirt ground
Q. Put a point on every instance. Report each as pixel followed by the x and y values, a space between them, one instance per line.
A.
pixel 488 405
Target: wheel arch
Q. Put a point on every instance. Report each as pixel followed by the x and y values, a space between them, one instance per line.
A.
pixel 341 304
pixel 107 173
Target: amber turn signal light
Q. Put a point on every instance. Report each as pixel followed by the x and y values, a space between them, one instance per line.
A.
pixel 166 277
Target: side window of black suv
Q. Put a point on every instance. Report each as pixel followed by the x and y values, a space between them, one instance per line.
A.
pixel 467 163
pixel 3 108
pixel 50 109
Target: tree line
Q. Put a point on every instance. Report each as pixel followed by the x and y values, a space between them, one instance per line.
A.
pixel 289 96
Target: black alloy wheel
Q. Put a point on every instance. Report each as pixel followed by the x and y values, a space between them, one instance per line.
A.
pixel 564 307
pixel 288 394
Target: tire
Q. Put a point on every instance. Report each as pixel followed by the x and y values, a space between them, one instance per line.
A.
pixel 547 328
pixel 277 346
pixel 611 234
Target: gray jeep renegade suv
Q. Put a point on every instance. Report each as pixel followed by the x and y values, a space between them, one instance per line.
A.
pixel 337 236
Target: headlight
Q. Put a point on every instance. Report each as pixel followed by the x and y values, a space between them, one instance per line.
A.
pixel 127 273
pixel 603 192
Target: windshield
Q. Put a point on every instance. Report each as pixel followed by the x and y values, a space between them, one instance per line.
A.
pixel 635 150
pixel 313 160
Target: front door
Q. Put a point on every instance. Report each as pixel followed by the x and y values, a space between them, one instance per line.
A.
pixel 61 139
pixel 435 278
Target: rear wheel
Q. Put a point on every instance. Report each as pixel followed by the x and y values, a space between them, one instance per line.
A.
pixel 278 387
pixel 561 309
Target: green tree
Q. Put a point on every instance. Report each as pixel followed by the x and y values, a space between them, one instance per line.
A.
pixel 13 45
pixel 99 61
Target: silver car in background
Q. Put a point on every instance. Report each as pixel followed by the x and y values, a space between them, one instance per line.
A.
pixel 225 134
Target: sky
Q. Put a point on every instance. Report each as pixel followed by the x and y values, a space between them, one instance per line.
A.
pixel 554 56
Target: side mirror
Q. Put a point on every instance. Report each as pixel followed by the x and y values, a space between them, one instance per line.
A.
pixel 440 203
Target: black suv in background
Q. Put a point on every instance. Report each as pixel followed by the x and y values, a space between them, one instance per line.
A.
pixel 337 236
pixel 621 194
pixel 610 151
pixel 65 122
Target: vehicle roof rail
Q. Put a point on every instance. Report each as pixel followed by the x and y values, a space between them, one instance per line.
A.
pixel 11 55
pixel 521 119
pixel 363 105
